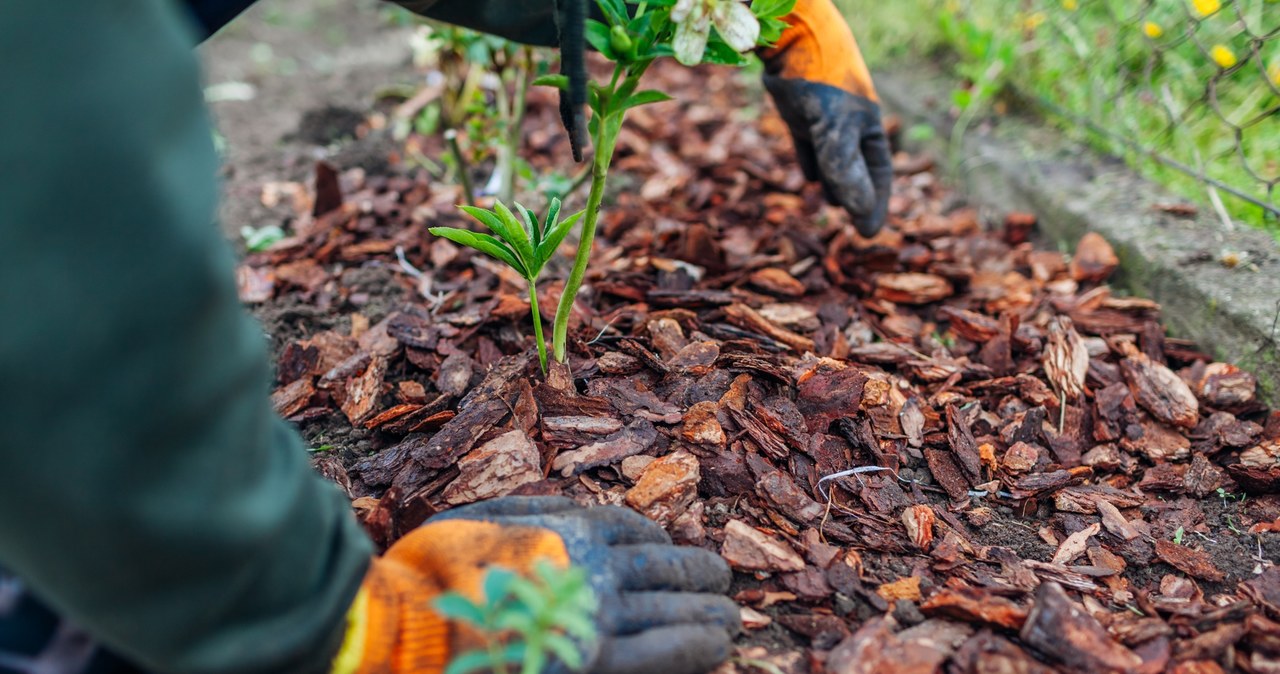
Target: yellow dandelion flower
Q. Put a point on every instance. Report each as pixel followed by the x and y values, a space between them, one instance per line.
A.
pixel 1152 30
pixel 1070 5
pixel 1223 56
pixel 1206 7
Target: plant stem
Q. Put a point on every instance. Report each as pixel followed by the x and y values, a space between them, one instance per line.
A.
pixel 604 142
pixel 515 132
pixel 537 326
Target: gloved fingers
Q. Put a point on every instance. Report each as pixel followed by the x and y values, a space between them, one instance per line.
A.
pixel 640 611
pixel 513 506
pixel 622 526
pixel 680 649
pixel 879 160
pixel 845 173
pixel 806 157
pixel 649 567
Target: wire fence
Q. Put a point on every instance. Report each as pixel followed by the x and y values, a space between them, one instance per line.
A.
pixel 1190 89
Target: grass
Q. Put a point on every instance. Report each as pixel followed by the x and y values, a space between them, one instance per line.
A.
pixel 1192 81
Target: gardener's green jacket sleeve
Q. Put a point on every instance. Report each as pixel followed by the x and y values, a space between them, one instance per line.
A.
pixel 147 491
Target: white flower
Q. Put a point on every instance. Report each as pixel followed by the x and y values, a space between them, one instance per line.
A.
pixel 733 20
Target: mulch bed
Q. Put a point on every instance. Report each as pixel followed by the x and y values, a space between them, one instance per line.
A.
pixel 939 450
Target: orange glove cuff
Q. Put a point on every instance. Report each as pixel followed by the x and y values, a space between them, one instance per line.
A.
pixel 392 627
pixel 819 46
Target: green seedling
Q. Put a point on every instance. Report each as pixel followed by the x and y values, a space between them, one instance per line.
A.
pixel 260 238
pixel 1178 534
pixel 525 621
pixel 524 244
pixel 692 31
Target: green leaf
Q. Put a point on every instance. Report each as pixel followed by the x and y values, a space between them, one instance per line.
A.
pixel 644 98
pixel 771 9
pixel 553 214
pixel 598 35
pixel 491 220
pixel 554 80
pixel 455 606
pixel 564 648
pixel 556 234
pixel 497 584
pixel 484 243
pixel 531 223
pixel 720 53
pixel 471 661
pixel 614 10
pixel 519 237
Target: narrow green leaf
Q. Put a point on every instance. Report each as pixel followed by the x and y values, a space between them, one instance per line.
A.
pixel 491 220
pixel 553 214
pixel 597 35
pixel 562 647
pixel 455 606
pixel 645 97
pixel 519 238
pixel 514 652
pixel 471 661
pixel 497 584
pixel 614 10
pixel 555 236
pixel 552 80
pixel 531 223
pixel 484 243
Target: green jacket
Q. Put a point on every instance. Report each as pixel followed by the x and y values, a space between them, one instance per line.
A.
pixel 147 491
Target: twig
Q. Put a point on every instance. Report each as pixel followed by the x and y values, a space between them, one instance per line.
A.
pixel 464 169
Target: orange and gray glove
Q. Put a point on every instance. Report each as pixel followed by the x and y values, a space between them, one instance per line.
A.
pixel 823 89
pixel 661 607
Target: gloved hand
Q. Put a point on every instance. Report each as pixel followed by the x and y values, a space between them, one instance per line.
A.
pixel 823 89
pixel 661 607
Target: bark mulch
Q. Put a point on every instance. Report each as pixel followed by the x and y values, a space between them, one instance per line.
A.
pixel 939 450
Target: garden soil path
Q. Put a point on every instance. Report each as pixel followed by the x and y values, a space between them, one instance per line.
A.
pixel 941 449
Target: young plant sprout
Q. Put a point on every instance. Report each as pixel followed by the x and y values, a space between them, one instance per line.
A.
pixel 524 246
pixel 525 621
pixel 692 31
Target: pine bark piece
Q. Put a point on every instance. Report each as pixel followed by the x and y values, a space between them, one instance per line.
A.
pixel 1161 392
pixel 638 436
pixel 776 282
pixel 749 549
pixel 747 318
pixel 972 605
pixel 701 426
pixel 495 469
pixel 1094 260
pixel 666 487
pixel 1066 359
pixel 1195 563
pixel 1062 631
pixel 361 393
pixel 293 398
pixel 913 288
pixel 918 520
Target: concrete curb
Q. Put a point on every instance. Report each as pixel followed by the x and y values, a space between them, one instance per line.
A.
pixel 1015 164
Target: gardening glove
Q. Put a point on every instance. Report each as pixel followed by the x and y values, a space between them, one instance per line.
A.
pixel 661 607
pixel 824 92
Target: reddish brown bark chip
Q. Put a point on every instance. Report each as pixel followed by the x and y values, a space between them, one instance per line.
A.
pixel 1064 632
pixel 973 605
pixel 666 487
pixel 748 549
pixel 495 468
pixel 1094 260
pixel 1161 392
pixel 289 400
pixel 777 282
pixel 912 288
pixel 1191 562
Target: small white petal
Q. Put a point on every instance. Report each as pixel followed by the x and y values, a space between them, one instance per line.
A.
pixel 682 9
pixel 737 25
pixel 690 41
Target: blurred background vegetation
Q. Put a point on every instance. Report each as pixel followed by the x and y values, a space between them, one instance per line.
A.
pixel 1188 91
